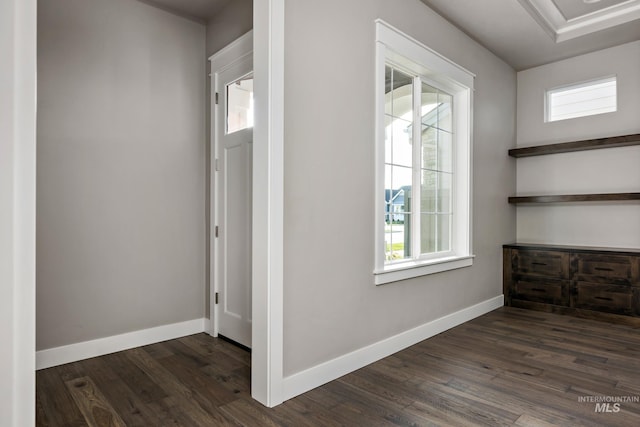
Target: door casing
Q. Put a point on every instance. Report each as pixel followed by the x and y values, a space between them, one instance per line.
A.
pixel 228 57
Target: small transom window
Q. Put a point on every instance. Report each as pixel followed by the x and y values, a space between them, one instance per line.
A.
pixel 581 99
pixel 240 105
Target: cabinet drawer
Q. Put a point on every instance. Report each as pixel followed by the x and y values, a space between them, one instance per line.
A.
pixel 609 298
pixel 546 291
pixel 603 268
pixel 541 263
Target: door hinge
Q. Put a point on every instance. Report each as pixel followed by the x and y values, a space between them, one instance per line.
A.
pixel 217 94
pixel 216 231
pixel 217 165
pixel 217 297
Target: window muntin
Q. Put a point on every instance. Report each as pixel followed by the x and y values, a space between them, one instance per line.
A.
pixel 582 99
pixel 423 189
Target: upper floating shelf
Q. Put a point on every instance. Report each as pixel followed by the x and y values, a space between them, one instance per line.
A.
pixel 608 197
pixel 566 147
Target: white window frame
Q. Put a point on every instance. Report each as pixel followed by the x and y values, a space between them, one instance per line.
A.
pixel 395 47
pixel 550 92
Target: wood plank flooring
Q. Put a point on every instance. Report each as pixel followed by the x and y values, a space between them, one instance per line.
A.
pixel 508 367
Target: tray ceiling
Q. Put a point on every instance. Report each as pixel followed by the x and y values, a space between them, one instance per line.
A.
pixel 572 9
pixel 528 33
pixel 568 19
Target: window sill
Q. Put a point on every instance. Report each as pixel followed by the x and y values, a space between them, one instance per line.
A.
pixel 394 273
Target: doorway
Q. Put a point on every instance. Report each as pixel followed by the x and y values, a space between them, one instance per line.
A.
pixel 231 184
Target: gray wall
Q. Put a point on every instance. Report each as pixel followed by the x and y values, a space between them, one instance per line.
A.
pixel 231 22
pixel 228 24
pixel 332 306
pixel 612 170
pixel 121 169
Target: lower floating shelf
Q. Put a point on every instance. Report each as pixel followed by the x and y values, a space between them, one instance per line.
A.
pixel 606 197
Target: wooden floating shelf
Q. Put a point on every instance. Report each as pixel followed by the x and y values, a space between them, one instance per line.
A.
pixel 566 147
pixel 608 197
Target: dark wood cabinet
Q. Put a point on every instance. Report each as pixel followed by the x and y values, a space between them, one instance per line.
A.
pixel 591 282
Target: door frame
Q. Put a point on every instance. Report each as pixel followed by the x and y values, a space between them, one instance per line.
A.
pixel 267 369
pixel 18 37
pixel 267 312
pixel 221 61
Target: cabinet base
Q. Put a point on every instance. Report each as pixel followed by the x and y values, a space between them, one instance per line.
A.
pixel 577 312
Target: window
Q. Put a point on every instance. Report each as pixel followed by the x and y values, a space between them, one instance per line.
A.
pixel 240 105
pixel 423 163
pixel 582 99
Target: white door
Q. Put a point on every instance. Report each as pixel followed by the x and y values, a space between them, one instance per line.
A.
pixel 233 177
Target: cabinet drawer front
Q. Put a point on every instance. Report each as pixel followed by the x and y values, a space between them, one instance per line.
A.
pixel 610 269
pixel 542 263
pixel 610 298
pixel 540 290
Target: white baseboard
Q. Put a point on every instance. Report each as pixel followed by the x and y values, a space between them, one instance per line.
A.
pixel 316 376
pixel 99 347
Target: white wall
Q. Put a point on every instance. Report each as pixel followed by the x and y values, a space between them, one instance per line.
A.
pixel 332 306
pixel 17 211
pixel 599 171
pixel 121 169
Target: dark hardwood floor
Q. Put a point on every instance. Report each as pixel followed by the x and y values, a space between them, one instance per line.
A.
pixel 508 367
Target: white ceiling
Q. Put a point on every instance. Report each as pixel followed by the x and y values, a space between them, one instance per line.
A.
pixel 508 29
pixel 197 10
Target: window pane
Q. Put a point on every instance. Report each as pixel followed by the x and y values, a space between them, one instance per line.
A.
pixel 401 131
pixel 437 150
pixel 240 105
pixel 397 204
pixel 388 84
pixel 444 233
pixel 436 108
pixel 445 152
pixel 428 233
pixel 388 133
pixel 398 245
pixel 387 177
pixel 444 192
pixel 445 121
pixel 398 198
pixel 582 99
pixel 387 236
pixel 435 233
pixel 397 237
pixel 429 148
pixel 429 105
pixel 436 192
pixel 401 179
pixel 399 94
pixel 428 191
